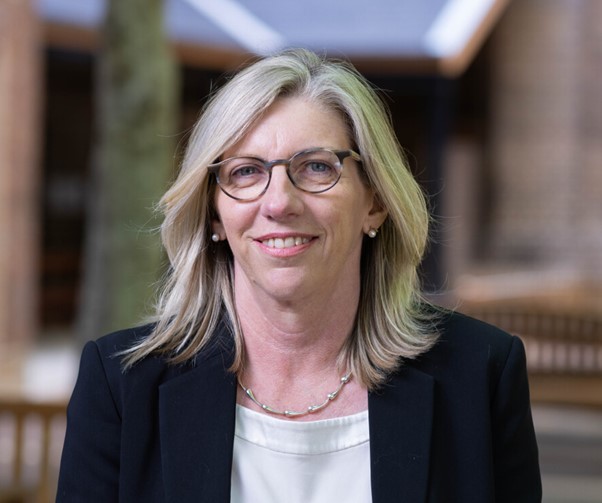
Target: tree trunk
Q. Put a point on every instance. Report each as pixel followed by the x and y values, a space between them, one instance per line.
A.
pixel 136 113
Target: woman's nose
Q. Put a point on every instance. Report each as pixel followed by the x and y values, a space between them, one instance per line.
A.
pixel 282 198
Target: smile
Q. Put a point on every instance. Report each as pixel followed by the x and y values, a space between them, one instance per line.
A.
pixel 288 242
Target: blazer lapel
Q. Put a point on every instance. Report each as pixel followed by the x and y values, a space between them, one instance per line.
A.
pixel 401 418
pixel 196 422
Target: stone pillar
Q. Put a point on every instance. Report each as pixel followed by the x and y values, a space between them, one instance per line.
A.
pixel 587 213
pixel 546 142
pixel 20 74
pixel 536 151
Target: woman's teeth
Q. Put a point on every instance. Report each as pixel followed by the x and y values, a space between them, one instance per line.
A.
pixel 285 242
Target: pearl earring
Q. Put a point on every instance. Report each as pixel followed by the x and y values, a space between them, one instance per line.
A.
pixel 372 233
pixel 215 237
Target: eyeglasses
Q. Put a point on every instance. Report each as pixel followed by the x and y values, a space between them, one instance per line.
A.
pixel 314 170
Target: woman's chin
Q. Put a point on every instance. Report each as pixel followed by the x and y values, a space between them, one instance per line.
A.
pixel 288 288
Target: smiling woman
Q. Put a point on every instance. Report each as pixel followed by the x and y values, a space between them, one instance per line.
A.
pixel 272 110
pixel 292 357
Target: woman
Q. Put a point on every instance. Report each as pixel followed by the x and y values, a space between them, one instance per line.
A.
pixel 292 358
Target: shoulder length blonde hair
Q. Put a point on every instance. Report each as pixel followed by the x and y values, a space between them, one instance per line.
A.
pixel 391 322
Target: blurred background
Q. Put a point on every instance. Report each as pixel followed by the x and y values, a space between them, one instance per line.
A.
pixel 497 103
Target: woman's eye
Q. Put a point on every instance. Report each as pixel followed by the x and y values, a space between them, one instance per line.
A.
pixel 318 167
pixel 247 170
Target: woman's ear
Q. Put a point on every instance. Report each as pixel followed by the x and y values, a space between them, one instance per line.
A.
pixel 216 223
pixel 376 216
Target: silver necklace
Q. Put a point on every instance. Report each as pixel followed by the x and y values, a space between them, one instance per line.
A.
pixel 292 413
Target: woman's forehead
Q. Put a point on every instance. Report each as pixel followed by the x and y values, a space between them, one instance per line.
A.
pixel 292 124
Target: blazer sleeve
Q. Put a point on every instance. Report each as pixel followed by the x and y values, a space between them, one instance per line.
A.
pixel 90 461
pixel 516 463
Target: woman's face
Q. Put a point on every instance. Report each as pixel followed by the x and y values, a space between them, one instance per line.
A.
pixel 289 244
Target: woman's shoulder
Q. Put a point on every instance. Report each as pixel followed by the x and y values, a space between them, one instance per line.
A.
pixel 105 357
pixel 462 338
pixel 122 340
pixel 470 355
pixel 111 351
pixel 456 327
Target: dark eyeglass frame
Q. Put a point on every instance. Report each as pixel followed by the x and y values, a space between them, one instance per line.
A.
pixel 341 155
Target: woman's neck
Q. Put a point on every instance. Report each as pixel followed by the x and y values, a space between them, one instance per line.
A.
pixel 292 350
pixel 298 335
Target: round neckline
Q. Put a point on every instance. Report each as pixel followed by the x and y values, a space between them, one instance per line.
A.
pixel 302 437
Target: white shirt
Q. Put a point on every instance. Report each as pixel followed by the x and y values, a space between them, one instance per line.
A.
pixel 279 460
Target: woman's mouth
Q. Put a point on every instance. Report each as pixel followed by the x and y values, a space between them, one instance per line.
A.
pixel 288 242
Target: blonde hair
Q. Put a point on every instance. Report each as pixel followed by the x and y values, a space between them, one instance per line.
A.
pixel 392 321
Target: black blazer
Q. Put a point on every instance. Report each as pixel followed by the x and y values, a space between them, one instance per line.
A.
pixel 452 426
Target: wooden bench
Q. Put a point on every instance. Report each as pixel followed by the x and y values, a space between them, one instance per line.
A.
pixel 31 437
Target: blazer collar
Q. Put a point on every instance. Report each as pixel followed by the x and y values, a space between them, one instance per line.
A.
pixel 401 419
pixel 196 423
